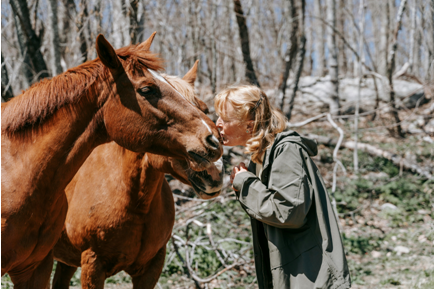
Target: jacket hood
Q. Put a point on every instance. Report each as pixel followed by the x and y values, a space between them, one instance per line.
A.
pixel 309 145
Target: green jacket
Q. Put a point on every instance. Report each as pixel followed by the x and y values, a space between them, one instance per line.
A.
pixel 297 243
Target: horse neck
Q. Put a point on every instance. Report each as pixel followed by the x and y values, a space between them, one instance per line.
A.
pixel 152 179
pixel 63 142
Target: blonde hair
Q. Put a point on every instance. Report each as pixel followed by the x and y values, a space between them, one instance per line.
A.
pixel 251 103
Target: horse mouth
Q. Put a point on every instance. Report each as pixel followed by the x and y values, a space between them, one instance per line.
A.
pixel 201 190
pixel 198 162
pixel 203 194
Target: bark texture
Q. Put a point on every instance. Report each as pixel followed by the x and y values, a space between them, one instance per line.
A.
pixel 30 44
pixel 244 40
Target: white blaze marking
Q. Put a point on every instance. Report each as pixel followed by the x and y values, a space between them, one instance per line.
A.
pixel 205 124
pixel 219 164
pixel 158 76
pixel 162 79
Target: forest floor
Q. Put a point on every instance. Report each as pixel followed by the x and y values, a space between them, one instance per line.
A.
pixel 386 216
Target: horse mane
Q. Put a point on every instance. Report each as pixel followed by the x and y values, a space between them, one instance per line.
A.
pixel 183 88
pixel 43 99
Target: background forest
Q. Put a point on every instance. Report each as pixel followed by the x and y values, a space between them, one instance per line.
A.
pixel 356 75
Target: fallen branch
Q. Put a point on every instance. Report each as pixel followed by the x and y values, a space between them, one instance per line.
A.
pixel 303 123
pixel 374 151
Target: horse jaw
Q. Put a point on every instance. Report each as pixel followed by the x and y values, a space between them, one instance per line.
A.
pixel 208 183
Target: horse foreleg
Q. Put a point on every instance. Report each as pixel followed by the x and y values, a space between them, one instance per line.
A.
pixel 93 275
pixel 150 274
pixel 38 278
pixel 63 276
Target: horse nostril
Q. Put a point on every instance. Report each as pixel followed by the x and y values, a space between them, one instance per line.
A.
pixel 212 141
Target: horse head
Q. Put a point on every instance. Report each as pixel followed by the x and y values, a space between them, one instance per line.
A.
pixel 145 113
pixel 207 183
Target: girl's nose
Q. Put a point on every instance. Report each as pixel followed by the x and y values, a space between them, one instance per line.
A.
pixel 219 123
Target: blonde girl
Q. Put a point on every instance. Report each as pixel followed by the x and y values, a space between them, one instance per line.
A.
pixel 296 239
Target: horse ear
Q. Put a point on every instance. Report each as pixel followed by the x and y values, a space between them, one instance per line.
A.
pixel 106 53
pixel 190 76
pixel 147 43
pixel 202 106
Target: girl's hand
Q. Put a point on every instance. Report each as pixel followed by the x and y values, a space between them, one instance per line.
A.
pixel 237 169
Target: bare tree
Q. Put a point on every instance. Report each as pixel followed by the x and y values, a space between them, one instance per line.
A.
pixel 68 29
pixel 385 33
pixel 55 39
pixel 332 57
pixel 271 44
pixel 391 66
pixel 290 53
pixel 300 56
pixel 81 19
pixel 320 44
pixel 342 58
pixel 213 47
pixel 413 9
pixel 132 11
pixel 34 63
pixel 6 86
pixel 244 39
pixel 360 74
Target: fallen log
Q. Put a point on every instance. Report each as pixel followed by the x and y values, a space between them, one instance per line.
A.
pixel 374 151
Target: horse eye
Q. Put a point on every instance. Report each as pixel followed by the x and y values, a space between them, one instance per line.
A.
pixel 143 91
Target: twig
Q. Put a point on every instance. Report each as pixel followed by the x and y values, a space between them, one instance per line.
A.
pixel 303 123
pixel 213 244
pixel 186 268
pixel 337 162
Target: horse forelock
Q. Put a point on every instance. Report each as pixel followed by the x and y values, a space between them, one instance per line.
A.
pixel 138 59
pixel 44 98
pixel 183 87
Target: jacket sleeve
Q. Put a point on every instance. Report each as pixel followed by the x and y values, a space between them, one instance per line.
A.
pixel 285 202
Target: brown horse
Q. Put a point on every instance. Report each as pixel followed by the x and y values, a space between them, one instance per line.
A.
pixel 49 131
pixel 121 212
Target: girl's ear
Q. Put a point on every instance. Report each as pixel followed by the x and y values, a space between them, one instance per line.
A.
pixel 250 125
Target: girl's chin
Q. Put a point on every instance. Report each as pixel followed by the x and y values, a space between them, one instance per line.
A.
pixel 227 142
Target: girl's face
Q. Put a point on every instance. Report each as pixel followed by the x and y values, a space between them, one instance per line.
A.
pixel 233 131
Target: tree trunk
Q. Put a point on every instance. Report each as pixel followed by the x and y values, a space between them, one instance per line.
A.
pixel 55 39
pixel 332 57
pixel 341 46
pixel 385 32
pixel 320 44
pixel 7 93
pixel 98 17
pixel 300 58
pixel 27 66
pixel 429 19
pixel 412 34
pixel 232 70
pixel 213 47
pixel 82 17
pixel 68 20
pixel 141 36
pixel 133 20
pixel 30 43
pixel 391 65
pixel 360 75
pixel 244 39
pixel 290 54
